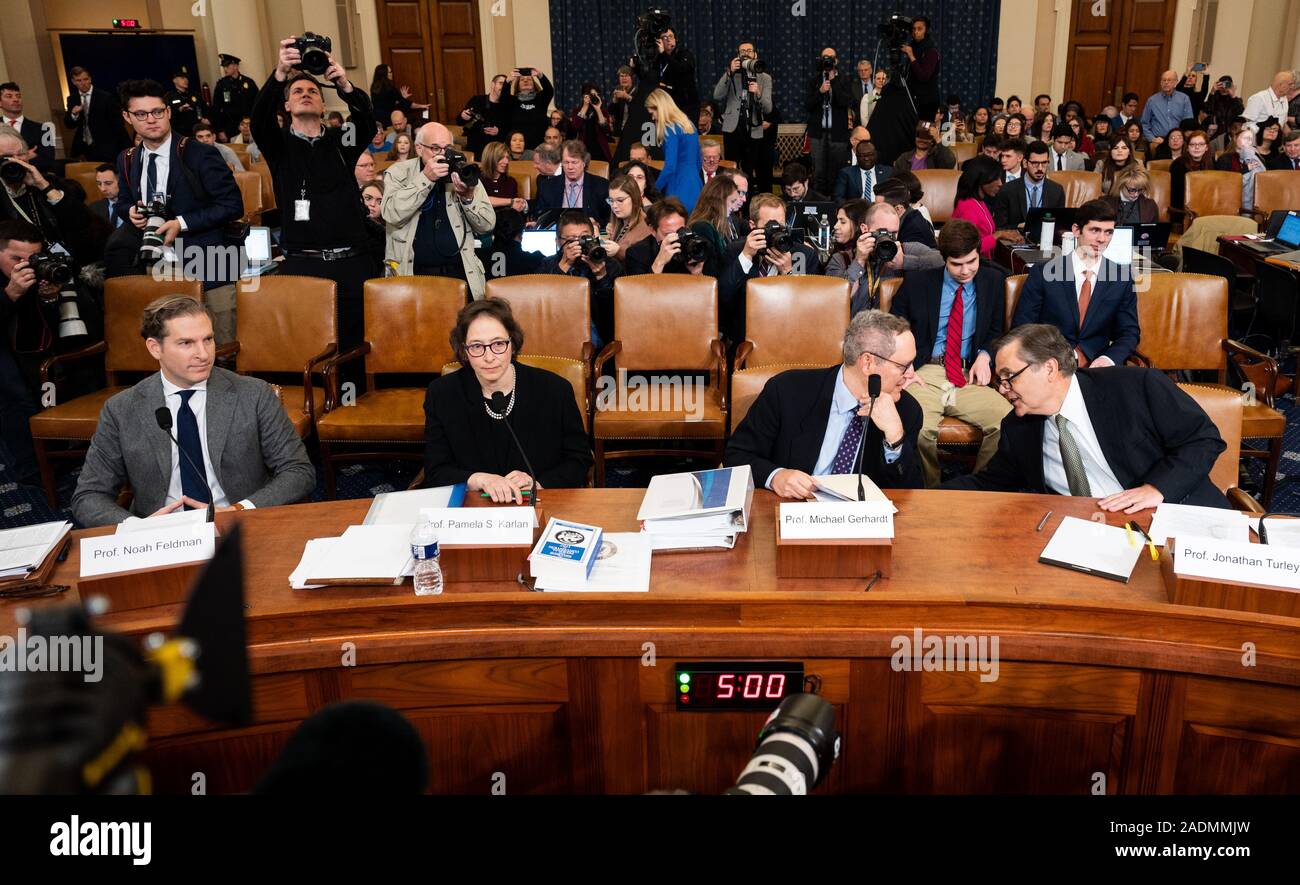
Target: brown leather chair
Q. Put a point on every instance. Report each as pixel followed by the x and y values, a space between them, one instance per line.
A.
pixel 1080 187
pixel 457 133
pixel 268 184
pixel 87 182
pixel 525 169
pixel 1014 285
pixel 408 320
pixel 792 319
pixel 1184 322
pixel 1224 406
pixel 72 170
pixel 747 384
pixel 125 299
pixel 523 184
pixel 665 322
pixel 1212 193
pixel 573 371
pixel 554 312
pixel 963 151
pixel 1276 189
pixel 598 167
pixel 288 325
pixel 888 289
pixel 655 164
pixel 382 163
pixel 1161 190
pixel 1161 165
pixel 727 164
pixel 940 192
pixel 250 190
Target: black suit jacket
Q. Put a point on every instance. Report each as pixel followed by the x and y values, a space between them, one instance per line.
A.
pixel 1149 431
pixel 1281 162
pixel 917 301
pixel 1110 327
pixel 848 183
pixel 595 195
pixel 460 438
pixel 206 215
pixel 1009 205
pixel 786 424
pixel 913 228
pixel 732 283
pixel 107 130
pixel 34 134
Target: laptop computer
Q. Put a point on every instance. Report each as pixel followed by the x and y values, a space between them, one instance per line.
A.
pixel 1283 231
pixel 1061 220
pixel 808 214
pixel 1151 237
pixel 257 252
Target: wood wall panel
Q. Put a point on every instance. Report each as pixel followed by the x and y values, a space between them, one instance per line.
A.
pixel 469 746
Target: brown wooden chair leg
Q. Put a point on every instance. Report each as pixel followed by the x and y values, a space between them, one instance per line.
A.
pixel 327 464
pixel 1270 470
pixel 600 463
pixel 47 473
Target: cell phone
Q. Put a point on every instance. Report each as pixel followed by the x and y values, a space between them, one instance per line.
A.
pixel 1199 66
pixel 525 72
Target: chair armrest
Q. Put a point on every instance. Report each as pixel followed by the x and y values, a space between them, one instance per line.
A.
pixel 308 405
pixel 1262 368
pixel 743 351
pixel 719 370
pixel 1137 358
pixel 331 373
pixel 92 350
pixel 588 352
pixel 1241 501
pixel 611 350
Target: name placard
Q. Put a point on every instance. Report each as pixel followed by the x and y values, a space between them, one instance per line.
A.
pixel 483 525
pixel 820 520
pixel 1233 562
pixel 111 554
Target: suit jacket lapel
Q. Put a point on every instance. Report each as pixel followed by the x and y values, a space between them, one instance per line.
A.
pixel 152 393
pixel 220 411
pixel 1107 428
pixel 807 445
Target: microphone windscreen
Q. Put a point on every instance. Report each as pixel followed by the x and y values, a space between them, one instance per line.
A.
pixel 499 402
pixel 873 386
pixel 163 416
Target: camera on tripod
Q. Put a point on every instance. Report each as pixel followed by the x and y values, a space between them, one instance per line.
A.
pixel 650 26
pixel 315 51
pixel 156 215
pixel 591 247
pixel 896 31
pixel 459 164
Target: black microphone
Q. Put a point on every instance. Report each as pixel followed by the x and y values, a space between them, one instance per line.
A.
pixel 163 415
pixel 499 406
pixel 873 391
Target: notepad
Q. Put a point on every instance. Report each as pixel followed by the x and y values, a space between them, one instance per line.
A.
pixel 1186 520
pixel 22 550
pixel 1092 548
pixel 844 487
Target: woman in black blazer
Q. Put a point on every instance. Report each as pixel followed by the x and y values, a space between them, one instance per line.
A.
pixel 464 437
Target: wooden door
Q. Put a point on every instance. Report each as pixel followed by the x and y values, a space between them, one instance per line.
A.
pixel 433 47
pixel 1123 49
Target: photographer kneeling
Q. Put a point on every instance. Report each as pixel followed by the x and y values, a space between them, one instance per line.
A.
pixel 867 251
pixel 580 252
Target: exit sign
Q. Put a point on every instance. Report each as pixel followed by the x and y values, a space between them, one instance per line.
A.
pixel 130 23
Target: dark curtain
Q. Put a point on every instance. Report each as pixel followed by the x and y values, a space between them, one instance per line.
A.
pixel 591 38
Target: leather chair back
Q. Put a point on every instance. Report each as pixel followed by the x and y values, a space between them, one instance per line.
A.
pixel 125 299
pixel 250 190
pixel 963 151
pixel 87 182
pixel 1224 406
pixel 666 321
pixel 1213 193
pixel 268 183
pixel 598 167
pixel 523 184
pixel 79 168
pixel 1162 165
pixel 284 322
pixel 796 319
pixel 1161 190
pixel 940 192
pixel 888 289
pixel 1080 187
pixel 554 312
pixel 1276 189
pixel 747 384
pixel 409 322
pixel 525 169
pixel 1184 319
pixel 1014 285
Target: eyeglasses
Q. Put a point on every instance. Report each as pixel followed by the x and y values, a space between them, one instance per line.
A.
pixel 741 193
pixel 499 347
pixel 1007 380
pixel 34 591
pixel 154 114
pixel 1133 191
pixel 436 149
pixel 902 367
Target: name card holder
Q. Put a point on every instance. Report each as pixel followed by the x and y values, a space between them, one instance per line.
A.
pixel 831 557
pixel 142 588
pixel 476 563
pixel 1231 595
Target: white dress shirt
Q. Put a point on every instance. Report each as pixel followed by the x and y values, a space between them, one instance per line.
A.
pixel 15 122
pixel 198 405
pixel 164 155
pixel 1078 266
pixel 1101 479
pixel 1264 104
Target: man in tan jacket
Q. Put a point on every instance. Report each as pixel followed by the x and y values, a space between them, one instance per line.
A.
pixel 432 216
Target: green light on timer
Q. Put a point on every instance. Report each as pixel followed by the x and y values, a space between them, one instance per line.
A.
pixel 685 680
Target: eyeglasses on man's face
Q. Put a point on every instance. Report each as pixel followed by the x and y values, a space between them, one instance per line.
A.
pixel 902 367
pixel 1005 381
pixel 152 114
pixel 478 348
pixel 436 150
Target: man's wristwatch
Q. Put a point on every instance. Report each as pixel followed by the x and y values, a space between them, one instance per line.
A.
pixel 894 447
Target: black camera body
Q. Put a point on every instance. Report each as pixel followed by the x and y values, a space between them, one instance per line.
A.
pixel 315 51
pixel 475 119
pixel 51 267
pixel 828 63
pixel 886 246
pixel 459 164
pixel 12 173
pixel 591 247
pixel 525 72
pixel 781 238
pixel 654 22
pixel 896 31
pixel 693 247
pixel 156 213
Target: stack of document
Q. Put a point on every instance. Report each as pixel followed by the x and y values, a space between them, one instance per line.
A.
pixel 23 550
pixel 622 566
pixel 396 508
pixel 844 487
pixel 566 553
pixel 364 554
pixel 1188 521
pixel 706 508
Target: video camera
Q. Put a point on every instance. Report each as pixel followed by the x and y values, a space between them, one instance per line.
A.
pixel 650 26
pixel 315 51
pixel 896 31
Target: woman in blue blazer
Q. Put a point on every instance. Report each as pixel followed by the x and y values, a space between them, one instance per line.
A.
pixel 680 177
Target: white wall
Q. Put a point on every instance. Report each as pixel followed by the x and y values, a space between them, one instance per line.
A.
pixel 1015 67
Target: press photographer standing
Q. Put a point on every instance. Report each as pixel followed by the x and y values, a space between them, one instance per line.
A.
pixel 486 116
pixel 323 231
pixel 923 69
pixel 830 97
pixel 746 90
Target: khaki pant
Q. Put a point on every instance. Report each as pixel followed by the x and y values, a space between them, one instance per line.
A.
pixel 221 301
pixel 982 406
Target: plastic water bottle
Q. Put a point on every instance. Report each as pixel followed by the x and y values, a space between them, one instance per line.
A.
pixel 824 233
pixel 428 567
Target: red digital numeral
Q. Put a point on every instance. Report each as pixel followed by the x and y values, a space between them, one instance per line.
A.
pixel 775 685
pixel 724 682
pixel 754 680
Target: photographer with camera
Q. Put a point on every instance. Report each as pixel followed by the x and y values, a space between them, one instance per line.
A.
pixel 923 69
pixel 576 188
pixel 830 98
pixel 674 248
pixel 434 206
pixel 589 124
pixel 621 99
pixel 580 252
pixel 746 90
pixel 323 231
pixel 486 117
pixel 867 250
pixel 530 100
pixel 41 199
pixel 232 98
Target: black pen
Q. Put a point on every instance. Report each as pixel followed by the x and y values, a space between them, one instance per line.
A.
pixel 63 554
pixel 1151 545
pixel 1042 522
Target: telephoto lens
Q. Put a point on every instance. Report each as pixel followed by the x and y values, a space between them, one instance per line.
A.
pixel 796 748
pixel 886 246
pixel 12 173
pixel 151 243
pixel 460 164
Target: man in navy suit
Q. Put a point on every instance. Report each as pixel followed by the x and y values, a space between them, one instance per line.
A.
pixel 33 132
pixel 576 188
pixel 1033 190
pixel 1091 300
pixel 201 194
pixel 105 209
pixel 96 116
pixel 858 182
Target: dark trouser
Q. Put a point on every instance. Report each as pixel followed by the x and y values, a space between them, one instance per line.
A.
pixel 764 160
pixel 350 274
pixel 741 149
pixel 454 270
pixel 829 157
pixel 17 405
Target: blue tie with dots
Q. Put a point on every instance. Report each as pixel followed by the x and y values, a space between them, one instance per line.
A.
pixel 187 435
pixel 846 455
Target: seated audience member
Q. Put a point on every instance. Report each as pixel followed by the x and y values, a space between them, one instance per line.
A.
pixel 1088 297
pixel 752 258
pixel 1270 133
pixel 546 160
pixel 1017 127
pixel 859 133
pixel 998 126
pixel 43 199
pixel 502 190
pixel 662 253
pixel 915 196
pixel 858 227
pixel 1119 158
pixel 1288 158
pixel 1102 134
pixel 992 147
pixel 1013 158
pixel 571 259
pixel 1245 160
pixel 576 188
pixel 364 169
pixel 955 313
pixel 554 136
pixel 707 124
pixel 203 132
pixel 977 189
pixel 381 143
pixel 710 160
pixel 1172 147
pixel 638 153
pixel 978 123
pixel 680 143
pixel 399 125
pixel 711 217
pixel 1196 158
pixel 1141 145
pixel 464 440
pixel 858 182
pixel 1062 157
pixel 506 257
pixel 518 150
pixel 1083 142
pixel 1014 105
pixel 403 148
pixel 921 252
pixel 1127 436
pixel 105 209
pixel 796 187
pixel 1032 190
pixel 232 427
pixel 245 137
pixel 806 423
pixel 627 225
pixel 1043 126
pixel 644 176
pixel 928 154
pixel 372 197
pixel 1130 197
pixel 334 120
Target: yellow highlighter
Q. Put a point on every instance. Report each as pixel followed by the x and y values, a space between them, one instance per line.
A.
pixel 1151 545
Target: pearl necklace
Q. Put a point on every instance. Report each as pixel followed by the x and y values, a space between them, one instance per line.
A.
pixel 510 407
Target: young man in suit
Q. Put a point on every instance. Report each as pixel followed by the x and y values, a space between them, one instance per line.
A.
pixel 38 135
pixel 1091 300
pixel 233 429
pixel 858 182
pixel 1288 158
pixel 1127 436
pixel 96 116
pixel 1032 190
pixel 576 188
pixel 1063 157
pixel 813 422
pixel 955 314
pixel 105 208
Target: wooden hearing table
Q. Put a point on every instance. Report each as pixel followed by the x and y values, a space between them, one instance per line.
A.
pixel 1097 682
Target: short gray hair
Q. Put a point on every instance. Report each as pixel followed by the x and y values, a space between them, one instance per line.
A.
pixel 7 131
pixel 547 153
pixel 872 331
pixel 875 209
pixel 1040 342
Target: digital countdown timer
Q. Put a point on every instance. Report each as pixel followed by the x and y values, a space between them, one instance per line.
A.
pixel 127 23
pixel 735 685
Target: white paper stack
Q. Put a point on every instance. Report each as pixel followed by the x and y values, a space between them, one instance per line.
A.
pixel 364 554
pixel 1186 520
pixel 23 550
pixel 397 508
pixel 140 526
pixel 566 553
pixel 706 508
pixel 622 566
pixel 844 487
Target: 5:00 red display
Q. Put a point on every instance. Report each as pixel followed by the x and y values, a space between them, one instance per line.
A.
pixel 750 685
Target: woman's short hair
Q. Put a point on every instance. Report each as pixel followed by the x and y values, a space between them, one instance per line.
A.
pixel 496 308
pixel 153 324
pixel 1134 175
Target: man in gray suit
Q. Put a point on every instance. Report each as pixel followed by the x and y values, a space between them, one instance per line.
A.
pixel 1062 156
pixel 746 93
pixel 234 427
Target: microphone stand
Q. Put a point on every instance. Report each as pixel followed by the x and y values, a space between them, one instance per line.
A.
pixel 873 391
pixel 498 405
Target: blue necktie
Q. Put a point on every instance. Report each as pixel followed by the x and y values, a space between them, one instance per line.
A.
pixel 846 456
pixel 187 434
pixel 153 178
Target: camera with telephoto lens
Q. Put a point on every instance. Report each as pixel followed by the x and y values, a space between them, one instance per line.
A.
pixel 475 119
pixel 782 238
pixel 12 173
pixel 896 31
pixel 796 748
pixel 654 22
pixel 459 164
pixel 752 68
pixel 315 51
pixel 886 246
pixel 156 215
pixel 694 248
pixel 57 270
pixel 50 267
pixel 591 247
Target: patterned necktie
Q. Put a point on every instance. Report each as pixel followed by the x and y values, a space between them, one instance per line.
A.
pixel 571 199
pixel 1034 199
pixel 85 116
pixel 187 435
pixel 1075 476
pixel 866 184
pixel 952 345
pixel 846 456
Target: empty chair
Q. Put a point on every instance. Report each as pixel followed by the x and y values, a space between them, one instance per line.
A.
pixel 1080 187
pixel 791 319
pixel 940 192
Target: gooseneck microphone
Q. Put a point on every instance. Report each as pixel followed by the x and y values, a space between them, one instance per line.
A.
pixel 499 403
pixel 873 391
pixel 163 415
